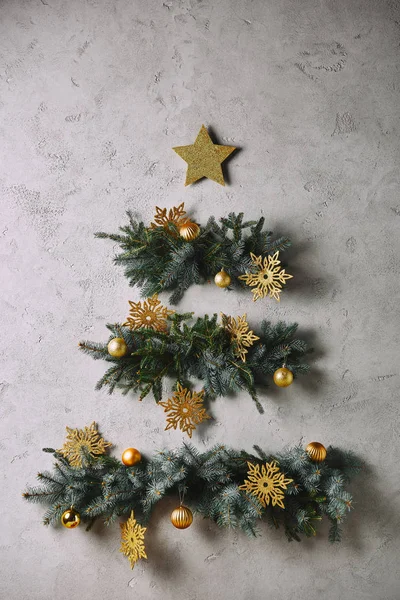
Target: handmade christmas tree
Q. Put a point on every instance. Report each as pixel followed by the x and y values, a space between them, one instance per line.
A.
pixel 294 489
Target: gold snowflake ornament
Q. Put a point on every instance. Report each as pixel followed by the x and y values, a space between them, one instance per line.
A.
pixel 132 540
pixel 269 277
pixel 266 484
pixel 185 410
pixel 77 439
pixel 241 337
pixel 164 217
pixel 148 313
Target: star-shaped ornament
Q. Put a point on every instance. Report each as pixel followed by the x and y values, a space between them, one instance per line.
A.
pixel 204 158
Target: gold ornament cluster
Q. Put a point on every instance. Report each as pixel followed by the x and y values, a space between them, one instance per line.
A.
pixel 164 217
pixel 175 216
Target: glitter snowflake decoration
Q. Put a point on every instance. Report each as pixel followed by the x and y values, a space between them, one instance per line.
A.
pixel 266 484
pixel 132 540
pixel 148 313
pixel 185 410
pixel 269 277
pixel 164 217
pixel 87 438
pixel 241 337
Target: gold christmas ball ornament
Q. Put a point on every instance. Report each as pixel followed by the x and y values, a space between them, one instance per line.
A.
pixel 131 456
pixel 189 231
pixel 117 347
pixel 316 451
pixel 222 279
pixel 283 377
pixel 70 518
pixel 181 517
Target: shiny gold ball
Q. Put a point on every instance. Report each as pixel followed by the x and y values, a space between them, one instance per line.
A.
pixel 70 518
pixel 222 279
pixel 189 231
pixel 181 517
pixel 283 377
pixel 131 456
pixel 117 347
pixel 316 451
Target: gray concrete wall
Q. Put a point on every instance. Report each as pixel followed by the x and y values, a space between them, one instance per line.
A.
pixel 93 95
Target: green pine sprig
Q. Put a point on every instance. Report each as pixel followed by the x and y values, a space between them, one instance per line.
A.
pixel 197 349
pixel 103 488
pixel 157 259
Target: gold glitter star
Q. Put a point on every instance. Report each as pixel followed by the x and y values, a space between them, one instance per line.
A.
pixel 132 540
pixel 269 278
pixel 185 409
pixel 204 158
pixel 77 439
pixel 148 313
pixel 164 218
pixel 241 337
pixel 267 485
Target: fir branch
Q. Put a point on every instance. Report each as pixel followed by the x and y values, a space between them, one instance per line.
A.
pixel 157 259
pixel 200 349
pixel 105 489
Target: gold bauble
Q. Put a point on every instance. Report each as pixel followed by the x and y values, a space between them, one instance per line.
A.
pixel 181 517
pixel 283 377
pixel 131 456
pixel 222 279
pixel 189 231
pixel 70 518
pixel 316 451
pixel 117 347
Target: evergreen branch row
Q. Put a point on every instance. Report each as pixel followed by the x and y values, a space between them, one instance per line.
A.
pixel 157 259
pixel 200 350
pixel 103 488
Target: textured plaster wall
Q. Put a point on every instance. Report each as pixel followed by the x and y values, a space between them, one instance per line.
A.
pixel 93 95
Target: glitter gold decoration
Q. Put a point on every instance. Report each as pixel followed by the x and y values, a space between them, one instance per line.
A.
pixel 241 337
pixel 204 158
pixel 131 456
pixel 268 279
pixel 70 518
pixel 117 347
pixel 222 279
pixel 185 410
pixel 148 313
pixel 181 517
pixel 266 484
pixel 316 451
pixel 283 377
pixel 164 217
pixel 132 540
pixel 189 231
pixel 77 439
